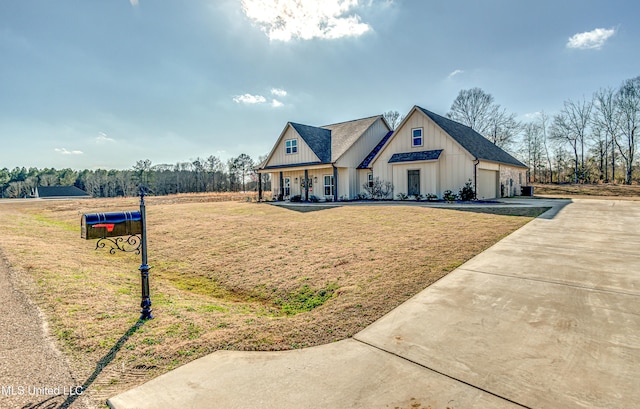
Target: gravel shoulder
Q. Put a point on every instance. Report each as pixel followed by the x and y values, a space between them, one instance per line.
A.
pixel 33 372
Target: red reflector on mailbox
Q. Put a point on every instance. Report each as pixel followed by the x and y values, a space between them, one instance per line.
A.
pixel 100 225
pixel 108 226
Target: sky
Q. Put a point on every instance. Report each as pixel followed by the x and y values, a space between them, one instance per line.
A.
pixel 88 84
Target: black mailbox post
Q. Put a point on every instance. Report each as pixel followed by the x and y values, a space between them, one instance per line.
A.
pixel 109 229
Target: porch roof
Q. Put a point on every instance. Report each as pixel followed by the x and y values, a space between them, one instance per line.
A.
pixel 415 156
pixel 298 166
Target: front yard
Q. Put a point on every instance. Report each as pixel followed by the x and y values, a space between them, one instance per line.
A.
pixel 229 275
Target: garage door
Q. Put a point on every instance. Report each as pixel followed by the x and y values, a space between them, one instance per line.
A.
pixel 487 184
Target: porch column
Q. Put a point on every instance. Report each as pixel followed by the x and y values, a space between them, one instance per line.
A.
pixel 335 184
pixel 259 187
pixel 306 185
pixel 281 186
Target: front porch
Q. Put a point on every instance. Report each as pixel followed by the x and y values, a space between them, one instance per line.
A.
pixel 303 183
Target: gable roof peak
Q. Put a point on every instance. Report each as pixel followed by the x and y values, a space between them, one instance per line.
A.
pixel 318 140
pixel 352 121
pixel 345 134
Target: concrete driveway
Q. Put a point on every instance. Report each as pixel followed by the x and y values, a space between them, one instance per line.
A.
pixel 549 317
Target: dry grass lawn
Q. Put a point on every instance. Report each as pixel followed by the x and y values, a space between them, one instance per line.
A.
pixel 228 275
pixel 600 191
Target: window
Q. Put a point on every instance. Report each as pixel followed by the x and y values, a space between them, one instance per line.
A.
pixel 291 146
pixel 328 185
pixel 416 137
pixel 370 179
pixel 287 187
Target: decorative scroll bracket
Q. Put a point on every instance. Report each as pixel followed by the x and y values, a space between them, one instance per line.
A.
pixel 131 244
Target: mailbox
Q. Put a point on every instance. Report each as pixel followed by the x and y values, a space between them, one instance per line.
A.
pixel 101 225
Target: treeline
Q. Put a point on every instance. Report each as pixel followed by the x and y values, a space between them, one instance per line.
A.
pixel 200 175
pixel 592 140
pixel 588 141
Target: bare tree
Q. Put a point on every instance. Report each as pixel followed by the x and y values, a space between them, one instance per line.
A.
pixel 472 107
pixel 543 123
pixel 606 117
pixel 561 131
pixel 571 125
pixel 599 151
pixel 125 183
pixel 476 109
pixel 502 127
pixel 579 114
pixel 562 163
pixel 393 118
pixel 533 149
pixel 628 105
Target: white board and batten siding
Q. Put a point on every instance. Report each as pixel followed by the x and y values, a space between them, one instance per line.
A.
pixel 349 179
pixel 452 170
pixel 363 146
pixel 428 176
pixel 304 154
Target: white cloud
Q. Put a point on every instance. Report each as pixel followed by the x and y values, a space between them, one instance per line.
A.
pixel 288 19
pixel 134 3
pixel 278 92
pixel 594 39
pixel 103 138
pixel 65 151
pixel 249 99
pixel 531 115
pixel 454 73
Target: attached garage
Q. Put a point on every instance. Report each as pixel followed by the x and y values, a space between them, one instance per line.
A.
pixel 430 154
pixel 488 184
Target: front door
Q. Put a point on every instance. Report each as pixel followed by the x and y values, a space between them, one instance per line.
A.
pixel 287 187
pixel 413 177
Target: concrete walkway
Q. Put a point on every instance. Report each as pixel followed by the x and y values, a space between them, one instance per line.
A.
pixel 549 317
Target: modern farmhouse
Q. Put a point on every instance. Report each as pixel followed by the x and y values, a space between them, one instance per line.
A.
pixel 426 154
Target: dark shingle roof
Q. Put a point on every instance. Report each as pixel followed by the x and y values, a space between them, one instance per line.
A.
pixel 61 191
pixel 415 156
pixel 367 161
pixel 472 141
pixel 318 139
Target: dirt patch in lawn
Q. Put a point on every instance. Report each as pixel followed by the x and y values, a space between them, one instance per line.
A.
pixel 229 275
